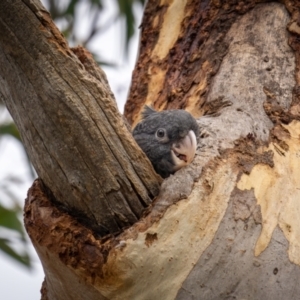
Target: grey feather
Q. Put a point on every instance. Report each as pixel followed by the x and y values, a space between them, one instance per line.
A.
pixel 160 132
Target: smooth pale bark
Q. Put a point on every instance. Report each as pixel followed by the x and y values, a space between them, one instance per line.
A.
pixel 227 226
pixel 69 122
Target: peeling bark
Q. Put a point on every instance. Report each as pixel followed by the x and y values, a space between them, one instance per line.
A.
pixel 226 226
pixel 182 76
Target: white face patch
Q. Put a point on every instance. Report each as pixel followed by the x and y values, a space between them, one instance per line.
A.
pixel 183 152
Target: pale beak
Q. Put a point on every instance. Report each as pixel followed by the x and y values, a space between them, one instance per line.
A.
pixel 183 152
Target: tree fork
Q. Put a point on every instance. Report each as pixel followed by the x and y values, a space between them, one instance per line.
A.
pixel 234 233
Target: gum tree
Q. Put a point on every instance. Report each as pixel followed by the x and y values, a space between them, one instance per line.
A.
pixel 103 223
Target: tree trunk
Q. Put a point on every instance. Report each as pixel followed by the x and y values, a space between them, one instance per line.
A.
pixel 225 227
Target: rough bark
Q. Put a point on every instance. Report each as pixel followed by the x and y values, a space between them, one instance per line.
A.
pixel 227 226
pixel 69 122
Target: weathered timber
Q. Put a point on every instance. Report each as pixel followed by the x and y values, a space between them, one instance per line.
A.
pixel 69 122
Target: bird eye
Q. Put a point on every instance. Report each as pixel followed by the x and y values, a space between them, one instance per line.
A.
pixel 160 133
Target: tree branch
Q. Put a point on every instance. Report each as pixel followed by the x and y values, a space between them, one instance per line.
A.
pixel 69 122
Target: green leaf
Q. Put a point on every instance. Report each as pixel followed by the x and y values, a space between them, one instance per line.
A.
pixel 141 1
pixel 70 10
pixel 22 258
pixel 97 3
pixel 9 219
pixel 10 129
pixel 125 10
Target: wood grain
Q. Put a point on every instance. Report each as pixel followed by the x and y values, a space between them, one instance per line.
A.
pixel 69 122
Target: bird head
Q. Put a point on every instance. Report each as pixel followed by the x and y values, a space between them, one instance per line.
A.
pixel 168 138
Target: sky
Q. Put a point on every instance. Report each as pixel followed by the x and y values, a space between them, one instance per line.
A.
pixel 17 282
